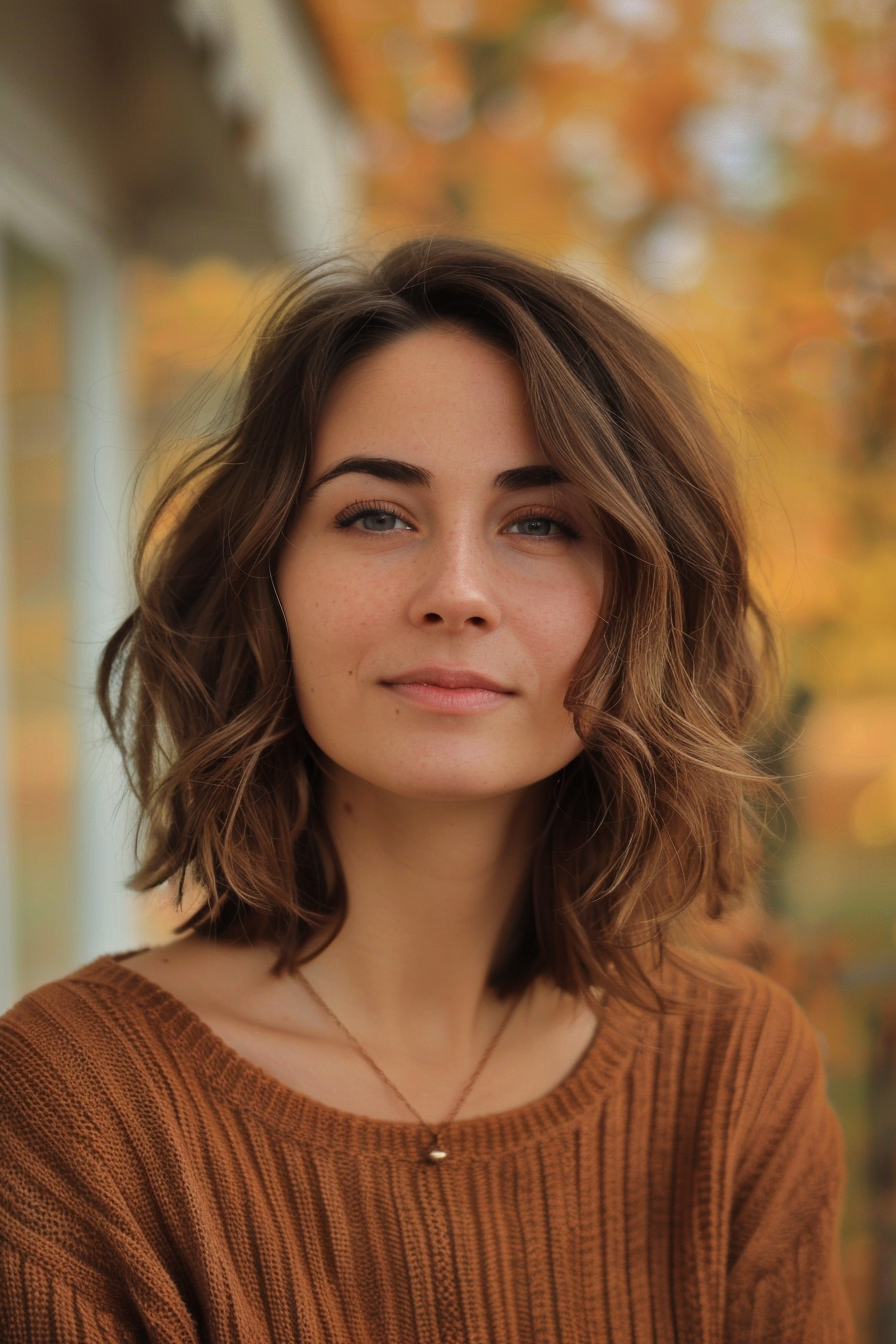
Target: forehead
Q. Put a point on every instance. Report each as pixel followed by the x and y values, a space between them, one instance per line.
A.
pixel 441 397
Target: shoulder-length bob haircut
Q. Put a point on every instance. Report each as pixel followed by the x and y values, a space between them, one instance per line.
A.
pixel 656 814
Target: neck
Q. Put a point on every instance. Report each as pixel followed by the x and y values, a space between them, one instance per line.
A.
pixel 432 889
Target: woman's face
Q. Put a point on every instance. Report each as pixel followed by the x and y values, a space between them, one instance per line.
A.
pixel 441 581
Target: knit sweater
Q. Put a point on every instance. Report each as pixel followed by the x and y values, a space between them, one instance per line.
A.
pixel 682 1184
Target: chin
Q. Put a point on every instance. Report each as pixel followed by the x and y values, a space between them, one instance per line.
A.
pixel 457 790
pixel 447 781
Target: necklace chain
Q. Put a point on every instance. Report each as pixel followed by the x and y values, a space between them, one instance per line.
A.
pixel 437 1152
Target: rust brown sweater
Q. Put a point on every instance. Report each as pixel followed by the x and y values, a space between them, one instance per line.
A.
pixel 682 1184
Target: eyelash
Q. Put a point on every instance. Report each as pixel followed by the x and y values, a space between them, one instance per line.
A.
pixel 353 512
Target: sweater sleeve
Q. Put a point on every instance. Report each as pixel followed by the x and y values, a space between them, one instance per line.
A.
pixel 784 1278
pixel 38 1308
pixel 79 1258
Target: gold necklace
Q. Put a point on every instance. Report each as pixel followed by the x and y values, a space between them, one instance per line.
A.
pixel 436 1151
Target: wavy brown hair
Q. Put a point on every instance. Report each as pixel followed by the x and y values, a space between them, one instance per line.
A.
pixel 654 818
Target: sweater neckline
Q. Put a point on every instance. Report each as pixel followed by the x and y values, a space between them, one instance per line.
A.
pixel 244 1086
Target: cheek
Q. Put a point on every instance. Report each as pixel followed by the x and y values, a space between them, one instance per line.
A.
pixel 332 621
pixel 558 628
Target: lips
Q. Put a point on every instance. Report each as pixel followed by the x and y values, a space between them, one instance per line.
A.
pixel 448 690
pixel 448 678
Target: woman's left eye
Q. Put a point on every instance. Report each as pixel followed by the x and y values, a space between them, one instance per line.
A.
pixel 539 526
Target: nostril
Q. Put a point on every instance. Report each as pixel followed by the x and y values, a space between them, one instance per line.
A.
pixel 432 617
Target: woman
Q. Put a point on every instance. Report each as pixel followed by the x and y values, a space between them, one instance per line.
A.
pixel 435 701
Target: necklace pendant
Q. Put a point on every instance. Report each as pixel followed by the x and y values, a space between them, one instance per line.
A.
pixel 436 1154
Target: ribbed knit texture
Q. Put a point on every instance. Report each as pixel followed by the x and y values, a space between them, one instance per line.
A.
pixel 682 1184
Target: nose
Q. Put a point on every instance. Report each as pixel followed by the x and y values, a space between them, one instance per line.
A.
pixel 456 590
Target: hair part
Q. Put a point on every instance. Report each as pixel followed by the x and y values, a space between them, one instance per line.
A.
pixel 653 820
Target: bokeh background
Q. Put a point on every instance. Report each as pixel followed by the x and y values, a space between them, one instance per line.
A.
pixel 727 166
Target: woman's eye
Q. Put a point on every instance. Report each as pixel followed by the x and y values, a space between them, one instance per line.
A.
pixel 538 527
pixel 376 520
pixel 381 522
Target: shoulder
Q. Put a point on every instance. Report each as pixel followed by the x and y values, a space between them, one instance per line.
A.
pixel 738 1044
pixel 91 1125
pixel 97 1069
pixel 64 1122
pixel 74 1058
pixel 732 1006
pixel 72 1034
pixel 53 1034
pixel 756 1055
pixel 46 1013
pixel 764 1117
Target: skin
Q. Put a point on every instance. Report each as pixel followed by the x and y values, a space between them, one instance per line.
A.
pixel 433 796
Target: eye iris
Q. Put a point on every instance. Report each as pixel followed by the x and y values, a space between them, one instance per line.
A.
pixel 537 527
pixel 379 522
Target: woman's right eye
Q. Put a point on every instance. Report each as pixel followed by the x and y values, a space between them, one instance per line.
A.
pixel 382 522
pixel 372 519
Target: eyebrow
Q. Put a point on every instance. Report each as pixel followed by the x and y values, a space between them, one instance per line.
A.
pixel 406 473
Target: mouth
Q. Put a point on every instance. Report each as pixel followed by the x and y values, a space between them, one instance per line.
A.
pixel 446 689
pixel 448 678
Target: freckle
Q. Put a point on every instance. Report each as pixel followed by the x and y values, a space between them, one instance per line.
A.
pixel 348 809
